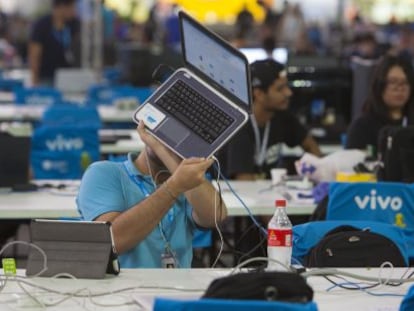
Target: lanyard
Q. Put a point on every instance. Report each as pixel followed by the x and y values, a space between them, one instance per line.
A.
pixel 404 122
pixel 63 36
pixel 139 181
pixel 260 153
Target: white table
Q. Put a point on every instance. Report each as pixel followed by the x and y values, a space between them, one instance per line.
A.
pixel 123 145
pixel 110 114
pixel 143 285
pixel 134 142
pixel 53 203
pixel 12 112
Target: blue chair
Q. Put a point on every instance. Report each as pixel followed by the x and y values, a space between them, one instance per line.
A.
pixel 63 152
pixel 408 302
pixel 100 94
pixel 37 96
pixel 112 75
pixel 9 85
pixel 202 238
pixel 162 304
pixel 72 115
pixel 392 203
pixel 107 95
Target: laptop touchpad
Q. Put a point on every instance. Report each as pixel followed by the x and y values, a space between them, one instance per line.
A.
pixel 174 131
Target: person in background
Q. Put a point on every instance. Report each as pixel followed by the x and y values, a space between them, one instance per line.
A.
pixel 154 201
pixel 172 29
pixel 390 102
pixel 51 41
pixel 256 148
pixel 4 23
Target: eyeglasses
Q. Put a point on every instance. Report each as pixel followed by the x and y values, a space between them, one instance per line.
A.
pixel 397 83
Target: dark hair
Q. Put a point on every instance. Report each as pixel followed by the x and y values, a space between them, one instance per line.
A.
pixel 374 103
pixel 264 73
pixel 56 3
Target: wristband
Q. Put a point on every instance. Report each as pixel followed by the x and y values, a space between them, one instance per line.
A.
pixel 167 189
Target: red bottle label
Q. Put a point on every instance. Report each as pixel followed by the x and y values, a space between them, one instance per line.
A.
pixel 279 237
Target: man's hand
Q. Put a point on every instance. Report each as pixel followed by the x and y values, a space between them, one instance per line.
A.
pixel 170 160
pixel 189 175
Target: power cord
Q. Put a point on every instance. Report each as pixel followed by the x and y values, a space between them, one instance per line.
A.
pixel 338 272
pixel 258 225
pixel 215 212
pixel 84 292
pixel 41 251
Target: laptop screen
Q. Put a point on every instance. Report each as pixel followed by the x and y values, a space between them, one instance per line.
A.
pixel 253 54
pixel 216 60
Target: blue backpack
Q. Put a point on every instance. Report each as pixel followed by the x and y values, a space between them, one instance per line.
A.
pixel 306 237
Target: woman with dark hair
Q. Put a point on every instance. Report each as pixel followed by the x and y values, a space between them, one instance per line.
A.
pixel 390 101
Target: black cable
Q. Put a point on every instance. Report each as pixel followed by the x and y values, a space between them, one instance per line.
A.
pixel 249 228
pixel 347 281
pixel 402 278
pixel 260 244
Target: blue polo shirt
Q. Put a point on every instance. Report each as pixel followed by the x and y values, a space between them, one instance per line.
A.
pixel 107 187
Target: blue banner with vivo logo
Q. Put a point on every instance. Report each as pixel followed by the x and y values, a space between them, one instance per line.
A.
pixel 388 202
pixel 43 96
pixel 63 152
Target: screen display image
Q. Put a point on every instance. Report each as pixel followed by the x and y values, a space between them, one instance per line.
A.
pixel 216 61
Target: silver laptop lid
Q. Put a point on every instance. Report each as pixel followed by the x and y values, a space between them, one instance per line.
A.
pixel 220 64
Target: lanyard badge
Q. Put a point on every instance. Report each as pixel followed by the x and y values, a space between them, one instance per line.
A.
pixel 168 258
pixel 261 146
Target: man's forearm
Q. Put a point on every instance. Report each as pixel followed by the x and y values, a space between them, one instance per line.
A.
pixel 134 225
pixel 204 199
pixel 35 52
pixel 310 145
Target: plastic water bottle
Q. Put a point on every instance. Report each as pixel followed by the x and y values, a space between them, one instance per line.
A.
pixel 279 238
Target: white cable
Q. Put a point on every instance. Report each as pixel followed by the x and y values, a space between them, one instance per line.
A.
pixel 384 281
pixel 254 259
pixel 23 280
pixel 215 214
pixel 111 305
pixel 334 271
pixel 41 251
pixel 76 293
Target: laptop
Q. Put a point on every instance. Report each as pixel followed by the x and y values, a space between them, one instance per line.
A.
pixel 84 249
pixel 14 160
pixel 203 104
pixel 74 80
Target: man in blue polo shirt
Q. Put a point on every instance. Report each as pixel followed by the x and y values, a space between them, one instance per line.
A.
pixel 154 201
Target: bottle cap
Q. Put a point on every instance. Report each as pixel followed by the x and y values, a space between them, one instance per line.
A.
pixel 280 203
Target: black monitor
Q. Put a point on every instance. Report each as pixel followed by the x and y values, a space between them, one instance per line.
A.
pixel 137 62
pixel 14 160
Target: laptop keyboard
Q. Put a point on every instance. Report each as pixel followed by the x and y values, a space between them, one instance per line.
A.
pixel 194 111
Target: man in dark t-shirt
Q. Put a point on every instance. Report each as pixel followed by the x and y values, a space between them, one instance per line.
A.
pixel 256 149
pixel 51 41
